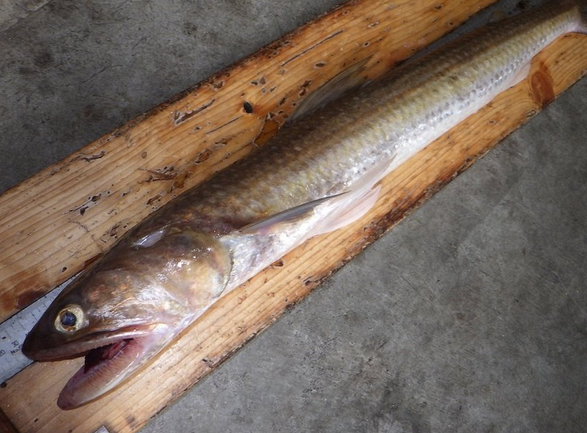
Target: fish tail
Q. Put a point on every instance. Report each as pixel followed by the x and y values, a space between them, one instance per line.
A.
pixel 582 5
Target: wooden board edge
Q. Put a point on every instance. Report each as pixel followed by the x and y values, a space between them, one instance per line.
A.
pixel 533 103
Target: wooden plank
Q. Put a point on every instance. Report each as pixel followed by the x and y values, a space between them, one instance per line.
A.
pixel 55 223
pixel 242 314
pixel 5 424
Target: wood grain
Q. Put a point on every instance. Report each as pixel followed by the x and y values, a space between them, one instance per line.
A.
pixel 55 223
pixel 235 319
pixel 5 424
pixel 29 398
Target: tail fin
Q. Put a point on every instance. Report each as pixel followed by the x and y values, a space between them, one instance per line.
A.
pixel 582 4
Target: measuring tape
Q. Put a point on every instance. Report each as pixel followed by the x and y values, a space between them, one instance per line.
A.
pixel 14 330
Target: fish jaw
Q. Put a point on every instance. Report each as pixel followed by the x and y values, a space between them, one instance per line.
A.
pixel 38 350
pixel 110 361
pixel 124 310
pixel 111 356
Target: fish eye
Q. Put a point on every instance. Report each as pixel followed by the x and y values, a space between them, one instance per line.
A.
pixel 70 319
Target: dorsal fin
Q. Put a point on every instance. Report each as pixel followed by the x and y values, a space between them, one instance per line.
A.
pixel 341 83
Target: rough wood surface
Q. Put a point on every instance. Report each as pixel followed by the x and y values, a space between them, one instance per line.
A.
pixel 5 424
pixel 58 221
pixel 28 399
pixel 30 402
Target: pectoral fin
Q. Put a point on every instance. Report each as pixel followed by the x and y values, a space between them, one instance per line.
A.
pixel 349 212
pixel 344 209
pixel 287 217
pixel 341 209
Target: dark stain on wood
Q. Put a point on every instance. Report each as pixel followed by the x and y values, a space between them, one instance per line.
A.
pixel 224 125
pixel 6 425
pixel 304 87
pixel 248 107
pixel 89 158
pixel 217 85
pixel 180 117
pixel 261 81
pixel 203 156
pixel 25 299
pixel 209 363
pixel 27 287
pixel 160 174
pixel 153 199
pixel 317 44
pixel 114 230
pixel 179 181
pixel 90 202
pixel 91 260
pixel 542 86
pixel 131 421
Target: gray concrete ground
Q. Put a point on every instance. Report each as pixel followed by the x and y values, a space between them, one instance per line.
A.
pixel 12 11
pixel 469 316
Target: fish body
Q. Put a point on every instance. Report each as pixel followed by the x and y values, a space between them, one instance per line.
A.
pixel 317 175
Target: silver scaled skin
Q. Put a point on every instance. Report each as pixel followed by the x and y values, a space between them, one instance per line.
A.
pixel 319 174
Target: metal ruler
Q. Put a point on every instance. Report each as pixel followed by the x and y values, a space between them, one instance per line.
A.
pixel 14 330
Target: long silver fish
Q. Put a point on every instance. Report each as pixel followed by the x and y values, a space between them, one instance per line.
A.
pixel 318 175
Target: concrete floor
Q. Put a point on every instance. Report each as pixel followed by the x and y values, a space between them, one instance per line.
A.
pixel 469 316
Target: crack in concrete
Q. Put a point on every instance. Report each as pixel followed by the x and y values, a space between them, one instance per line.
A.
pixel 13 11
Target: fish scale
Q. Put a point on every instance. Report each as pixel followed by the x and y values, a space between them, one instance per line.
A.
pixel 325 154
pixel 319 174
pixel 434 93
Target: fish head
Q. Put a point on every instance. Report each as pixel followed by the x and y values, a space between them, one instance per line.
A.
pixel 128 306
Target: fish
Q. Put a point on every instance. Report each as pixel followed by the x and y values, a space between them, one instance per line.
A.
pixel 320 173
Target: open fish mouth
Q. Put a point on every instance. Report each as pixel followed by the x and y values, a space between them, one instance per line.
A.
pixel 104 368
pixel 109 358
pixel 95 358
